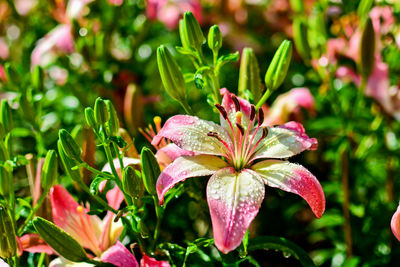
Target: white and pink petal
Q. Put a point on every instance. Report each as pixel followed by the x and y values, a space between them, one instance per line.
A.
pixel 120 256
pixel 234 199
pixel 395 223
pixel 293 178
pixel 187 167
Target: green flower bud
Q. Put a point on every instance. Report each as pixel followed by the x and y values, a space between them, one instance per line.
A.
pixel 131 182
pixel 2 131
pixel 279 66
pixel 4 181
pixel 192 31
pixel 113 122
pixel 11 74
pixel 6 116
pixel 63 243
pixel 171 75
pixel 49 171
pixel 364 7
pixel 150 170
pixel 37 78
pixel 68 164
pixel 214 38
pixel 367 50
pixel 3 152
pixel 69 145
pixel 297 6
pixel 300 38
pixel 90 119
pixel 249 74
pixel 8 242
pixel 100 111
pixel 182 35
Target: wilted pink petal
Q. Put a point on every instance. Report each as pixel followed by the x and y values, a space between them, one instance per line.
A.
pixel 72 218
pixel 395 223
pixel 293 178
pixel 191 133
pixel 186 167
pixel 147 261
pixel 166 155
pixel 32 243
pixel 234 199
pixel 120 256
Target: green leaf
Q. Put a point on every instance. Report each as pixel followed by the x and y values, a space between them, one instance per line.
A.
pixel 233 57
pixel 279 243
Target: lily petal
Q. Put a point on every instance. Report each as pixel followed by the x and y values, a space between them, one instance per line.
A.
pixel 166 155
pixel 234 199
pixel 147 261
pixel 34 244
pixel 186 167
pixel 190 133
pixel 120 256
pixel 229 105
pixel 395 223
pixel 284 141
pixel 293 178
pixel 72 218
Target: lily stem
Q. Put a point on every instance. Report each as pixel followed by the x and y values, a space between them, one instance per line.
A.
pixel 264 98
pixel 97 198
pixel 32 213
pixel 159 214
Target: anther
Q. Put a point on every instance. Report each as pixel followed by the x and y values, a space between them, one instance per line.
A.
pixel 222 111
pixel 265 132
pixel 214 134
pixel 260 116
pixel 119 215
pixel 252 113
pixel 236 102
pixel 240 128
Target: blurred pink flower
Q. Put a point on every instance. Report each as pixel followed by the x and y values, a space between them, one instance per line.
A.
pixel 170 11
pixel 3 77
pixel 252 157
pixel 76 7
pixel 57 41
pixel 115 2
pixel 395 223
pixel 4 51
pixel 288 106
pixel 23 7
pixel 147 261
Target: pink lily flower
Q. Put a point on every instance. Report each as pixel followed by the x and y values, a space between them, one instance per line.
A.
pixel 147 261
pixel 98 236
pixel 395 223
pixel 228 152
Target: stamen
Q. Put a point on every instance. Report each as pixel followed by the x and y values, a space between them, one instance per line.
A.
pixel 260 116
pixel 239 115
pixel 157 122
pixel 222 111
pixel 240 127
pixel 215 135
pixel 265 132
pixel 252 113
pixel 236 102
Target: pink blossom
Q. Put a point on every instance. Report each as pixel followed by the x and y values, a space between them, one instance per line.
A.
pixel 76 7
pixel 236 190
pixel 115 2
pixel 4 51
pixel 23 7
pixel 169 12
pixel 395 223
pixel 147 261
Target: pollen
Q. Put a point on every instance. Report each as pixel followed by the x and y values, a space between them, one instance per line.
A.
pixel 79 209
pixel 239 115
pixel 157 120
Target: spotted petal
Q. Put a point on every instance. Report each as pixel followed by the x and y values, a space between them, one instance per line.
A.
pixel 293 178
pixel 283 141
pixel 395 223
pixel 186 167
pixel 190 133
pixel 234 199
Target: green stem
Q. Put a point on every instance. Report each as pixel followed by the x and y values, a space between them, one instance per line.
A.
pixel 32 213
pixel 137 235
pixel 159 214
pixel 187 108
pixel 41 259
pixel 88 167
pixel 97 198
pixel 264 98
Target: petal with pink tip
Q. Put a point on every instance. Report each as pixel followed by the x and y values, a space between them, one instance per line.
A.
pixel 234 199
pixel 395 223
pixel 186 167
pixel 147 261
pixel 229 105
pixel 166 155
pixel 293 178
pixel 34 244
pixel 120 256
pixel 72 218
pixel 283 141
pixel 190 133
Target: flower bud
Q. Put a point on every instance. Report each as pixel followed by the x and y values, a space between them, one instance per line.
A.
pixel 150 170
pixel 69 145
pixel 3 152
pixel 192 31
pixel 63 243
pixel 8 242
pixel 113 122
pixel 249 74
pixel 4 181
pixel 279 66
pixel 183 36
pixel 131 182
pixel 300 38
pixel 37 78
pixel 171 75
pixel 100 111
pixel 6 116
pixel 68 164
pixel 49 171
pixel 90 119
pixel 214 38
pixel 367 50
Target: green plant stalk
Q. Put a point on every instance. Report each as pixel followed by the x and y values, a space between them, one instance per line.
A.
pixel 11 203
pixel 186 107
pixel 346 204
pixel 159 214
pixel 137 235
pixel 264 98
pixel 121 164
pixel 41 259
pixel 32 213
pixel 97 198
pixel 215 87
pixel 88 167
